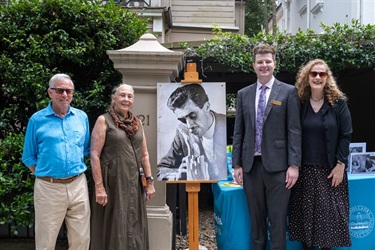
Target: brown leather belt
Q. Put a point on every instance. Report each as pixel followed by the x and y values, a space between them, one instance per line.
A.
pixel 62 181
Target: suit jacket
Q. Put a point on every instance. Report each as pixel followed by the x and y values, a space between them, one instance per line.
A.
pixel 182 146
pixel 281 138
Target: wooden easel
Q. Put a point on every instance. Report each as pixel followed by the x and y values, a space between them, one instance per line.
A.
pixel 193 188
pixel 191 75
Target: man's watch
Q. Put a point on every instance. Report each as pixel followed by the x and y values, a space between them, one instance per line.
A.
pixel 150 179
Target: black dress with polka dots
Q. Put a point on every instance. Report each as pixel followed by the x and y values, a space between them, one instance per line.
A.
pixel 319 213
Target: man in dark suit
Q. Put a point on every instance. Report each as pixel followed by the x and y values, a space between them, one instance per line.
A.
pixel 266 160
pixel 199 146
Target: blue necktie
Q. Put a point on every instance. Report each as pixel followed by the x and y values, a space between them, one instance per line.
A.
pixel 259 122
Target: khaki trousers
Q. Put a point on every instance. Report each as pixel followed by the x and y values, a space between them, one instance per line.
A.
pixel 56 202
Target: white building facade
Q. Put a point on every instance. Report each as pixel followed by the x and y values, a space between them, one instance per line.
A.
pixel 309 14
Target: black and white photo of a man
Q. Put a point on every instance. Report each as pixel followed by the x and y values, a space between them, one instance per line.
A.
pixel 198 149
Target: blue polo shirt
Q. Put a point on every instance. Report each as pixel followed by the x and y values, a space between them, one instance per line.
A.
pixel 55 145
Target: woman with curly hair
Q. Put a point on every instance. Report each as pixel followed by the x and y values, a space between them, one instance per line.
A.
pixel 319 212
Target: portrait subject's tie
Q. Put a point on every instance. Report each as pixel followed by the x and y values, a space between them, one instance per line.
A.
pixel 259 122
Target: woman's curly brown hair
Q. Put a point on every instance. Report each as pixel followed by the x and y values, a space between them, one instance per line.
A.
pixel 331 90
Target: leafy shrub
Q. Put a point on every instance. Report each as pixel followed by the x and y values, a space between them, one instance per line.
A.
pixel 16 185
pixel 41 38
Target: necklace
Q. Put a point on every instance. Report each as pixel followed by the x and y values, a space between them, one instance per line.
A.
pixel 316 100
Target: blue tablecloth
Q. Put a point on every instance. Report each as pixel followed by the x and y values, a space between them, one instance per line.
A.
pixel 232 221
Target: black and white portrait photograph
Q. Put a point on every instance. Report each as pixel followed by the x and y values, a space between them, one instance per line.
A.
pixel 361 163
pixel 191 131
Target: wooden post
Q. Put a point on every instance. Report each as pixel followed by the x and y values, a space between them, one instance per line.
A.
pixel 193 188
pixel 193 209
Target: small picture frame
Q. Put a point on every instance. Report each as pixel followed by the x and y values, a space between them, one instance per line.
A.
pixel 362 163
pixel 357 147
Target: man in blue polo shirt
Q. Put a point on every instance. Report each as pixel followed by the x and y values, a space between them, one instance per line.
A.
pixel 57 139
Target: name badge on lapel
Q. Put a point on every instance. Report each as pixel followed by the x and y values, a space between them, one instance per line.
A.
pixel 277 103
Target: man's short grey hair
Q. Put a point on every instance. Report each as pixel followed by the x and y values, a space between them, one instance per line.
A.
pixel 59 77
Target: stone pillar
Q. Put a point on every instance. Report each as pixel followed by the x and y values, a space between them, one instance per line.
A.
pixel 143 65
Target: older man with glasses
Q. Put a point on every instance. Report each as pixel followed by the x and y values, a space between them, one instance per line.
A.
pixel 57 139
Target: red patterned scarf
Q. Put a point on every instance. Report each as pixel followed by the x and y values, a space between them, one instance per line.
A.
pixel 129 124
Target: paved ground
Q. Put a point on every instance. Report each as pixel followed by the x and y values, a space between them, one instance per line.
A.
pixel 27 244
pixel 207 239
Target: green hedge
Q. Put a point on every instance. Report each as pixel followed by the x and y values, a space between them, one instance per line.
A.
pixel 16 185
pixel 342 46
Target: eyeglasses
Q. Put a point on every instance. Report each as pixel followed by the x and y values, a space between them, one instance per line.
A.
pixel 61 91
pixel 321 74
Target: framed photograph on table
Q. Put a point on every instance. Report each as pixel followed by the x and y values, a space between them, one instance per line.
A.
pixel 357 147
pixel 362 163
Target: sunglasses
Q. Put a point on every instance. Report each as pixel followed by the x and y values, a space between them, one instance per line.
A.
pixel 61 91
pixel 321 74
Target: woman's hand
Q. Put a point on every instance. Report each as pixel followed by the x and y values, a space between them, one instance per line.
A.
pixel 337 174
pixel 150 190
pixel 101 195
pixel 291 176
